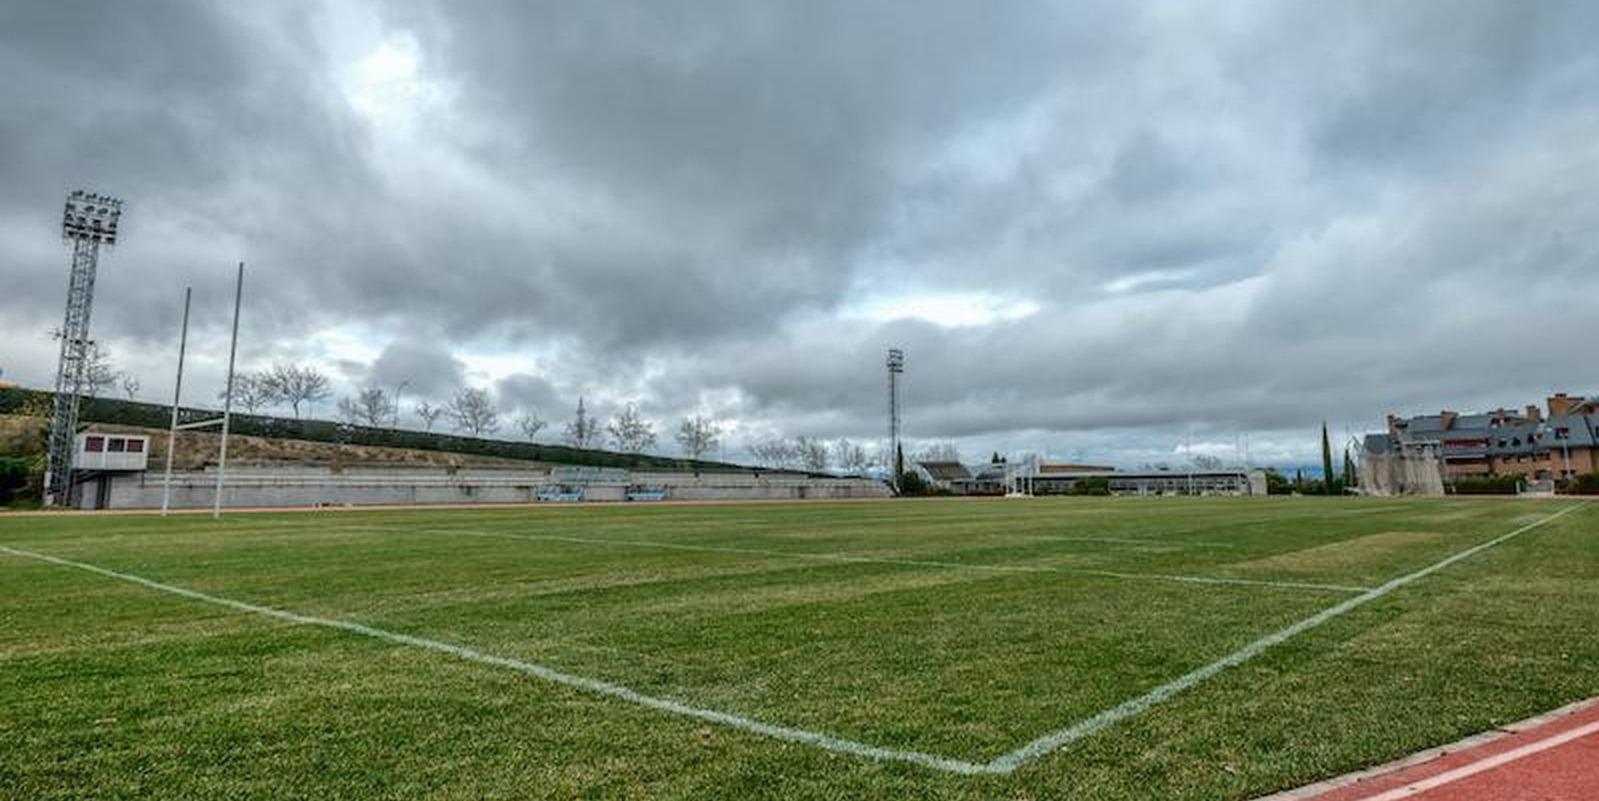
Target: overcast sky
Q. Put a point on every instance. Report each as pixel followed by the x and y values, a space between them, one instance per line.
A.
pixel 1098 230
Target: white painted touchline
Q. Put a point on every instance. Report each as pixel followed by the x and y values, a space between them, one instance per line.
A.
pixel 1131 541
pixel 618 691
pixel 1485 764
pixel 840 557
pixel 1061 737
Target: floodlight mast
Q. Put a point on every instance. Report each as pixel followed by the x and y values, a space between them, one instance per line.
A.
pixel 88 221
pixel 896 367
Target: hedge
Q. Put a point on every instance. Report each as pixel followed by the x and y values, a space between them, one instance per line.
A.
pixel 112 411
pixel 1489 485
pixel 13 478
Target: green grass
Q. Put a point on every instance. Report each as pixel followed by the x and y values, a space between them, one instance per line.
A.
pixel 891 624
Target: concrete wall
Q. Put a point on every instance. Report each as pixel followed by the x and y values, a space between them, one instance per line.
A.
pixel 292 486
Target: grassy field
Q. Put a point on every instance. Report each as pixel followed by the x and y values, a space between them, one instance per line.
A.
pixel 1084 649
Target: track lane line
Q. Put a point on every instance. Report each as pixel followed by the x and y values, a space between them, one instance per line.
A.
pixel 1485 764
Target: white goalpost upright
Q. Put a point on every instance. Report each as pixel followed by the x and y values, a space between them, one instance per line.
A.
pixel 227 403
pixel 177 396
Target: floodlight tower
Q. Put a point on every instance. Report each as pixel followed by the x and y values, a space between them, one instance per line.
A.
pixel 88 221
pixel 896 366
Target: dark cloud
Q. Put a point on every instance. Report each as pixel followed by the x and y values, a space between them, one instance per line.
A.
pixel 529 393
pixel 1151 220
pixel 426 368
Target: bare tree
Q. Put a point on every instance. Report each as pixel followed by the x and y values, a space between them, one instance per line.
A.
pixel 698 436
pixel 296 385
pixel 250 392
pixel 371 407
pixel 253 394
pixel 811 453
pixel 428 414
pixel 851 457
pixel 583 431
pixel 348 411
pixel 939 452
pixel 130 385
pixel 776 453
pixel 98 374
pixel 630 432
pixel 1205 461
pixel 531 424
pixel 473 411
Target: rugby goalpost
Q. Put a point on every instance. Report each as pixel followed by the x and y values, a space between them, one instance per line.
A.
pixel 227 402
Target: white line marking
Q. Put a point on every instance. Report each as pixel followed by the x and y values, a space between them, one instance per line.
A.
pixel 618 691
pixel 1131 541
pixel 840 557
pixel 1061 737
pixel 1486 764
pixel 1006 763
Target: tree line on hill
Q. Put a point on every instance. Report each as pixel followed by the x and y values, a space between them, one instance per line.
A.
pixel 24 424
pixel 469 410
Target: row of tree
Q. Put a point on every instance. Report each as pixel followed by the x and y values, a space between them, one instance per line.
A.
pixel 849 456
pixel 473 411
pixel 470 410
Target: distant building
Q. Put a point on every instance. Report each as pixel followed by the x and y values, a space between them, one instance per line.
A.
pixel 1038 477
pixel 1054 478
pixel 1222 481
pixel 986 479
pixel 943 475
pixel 1558 445
pixel 98 458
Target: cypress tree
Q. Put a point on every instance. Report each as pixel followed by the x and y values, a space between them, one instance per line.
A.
pixel 1326 460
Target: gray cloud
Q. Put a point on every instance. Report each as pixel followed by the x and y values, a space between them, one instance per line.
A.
pixel 427 368
pixel 1241 220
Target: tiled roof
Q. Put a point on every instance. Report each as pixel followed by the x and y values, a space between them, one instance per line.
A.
pixel 945 471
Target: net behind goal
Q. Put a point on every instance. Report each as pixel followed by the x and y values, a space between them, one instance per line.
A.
pixel 1412 472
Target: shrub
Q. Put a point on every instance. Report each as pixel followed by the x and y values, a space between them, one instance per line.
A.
pixel 14 475
pixel 911 483
pixel 1092 485
pixel 1585 485
pixel 1489 485
pixel 1277 483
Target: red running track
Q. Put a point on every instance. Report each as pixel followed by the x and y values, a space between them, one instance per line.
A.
pixel 1551 758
